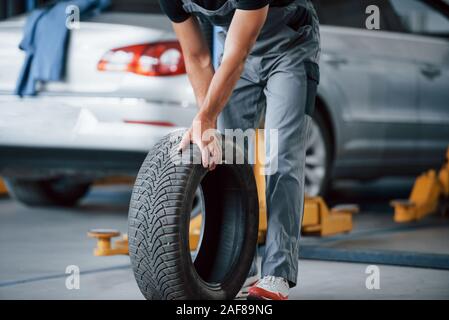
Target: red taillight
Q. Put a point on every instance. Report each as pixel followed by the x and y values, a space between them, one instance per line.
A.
pixel 153 59
pixel 151 123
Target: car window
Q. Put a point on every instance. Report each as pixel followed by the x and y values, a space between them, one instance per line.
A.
pixel 342 13
pixel 352 13
pixel 418 17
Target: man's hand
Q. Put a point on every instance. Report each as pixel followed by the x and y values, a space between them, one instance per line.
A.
pixel 212 90
pixel 204 134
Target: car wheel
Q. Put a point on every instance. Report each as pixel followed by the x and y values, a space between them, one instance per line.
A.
pixel 159 218
pixel 63 191
pixel 318 157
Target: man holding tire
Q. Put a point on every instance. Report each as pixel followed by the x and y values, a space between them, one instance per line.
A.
pixel 269 66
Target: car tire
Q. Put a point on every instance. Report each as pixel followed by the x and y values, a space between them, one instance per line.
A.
pixel 159 219
pixel 62 191
pixel 318 157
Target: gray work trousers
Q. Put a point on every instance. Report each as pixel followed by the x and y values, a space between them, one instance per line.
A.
pixel 279 81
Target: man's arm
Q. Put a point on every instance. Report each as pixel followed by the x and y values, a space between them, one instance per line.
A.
pixel 242 35
pixel 214 90
pixel 196 56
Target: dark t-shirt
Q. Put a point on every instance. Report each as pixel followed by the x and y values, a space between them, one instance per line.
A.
pixel 174 10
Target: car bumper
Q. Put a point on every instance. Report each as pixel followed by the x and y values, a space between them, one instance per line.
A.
pixel 83 134
pixel 31 162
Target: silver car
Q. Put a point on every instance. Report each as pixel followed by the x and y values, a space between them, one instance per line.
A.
pixel 382 105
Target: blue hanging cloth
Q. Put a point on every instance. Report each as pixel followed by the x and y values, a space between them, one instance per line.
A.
pixel 45 42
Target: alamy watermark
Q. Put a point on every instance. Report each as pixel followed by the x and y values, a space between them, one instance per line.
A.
pixel 236 146
pixel 372 281
pixel 72 17
pixel 72 282
pixel 372 22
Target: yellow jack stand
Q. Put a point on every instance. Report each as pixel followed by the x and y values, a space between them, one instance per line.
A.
pixel 113 180
pixel 317 218
pixel 104 247
pixel 195 231
pixel 425 197
pixel 260 182
pixel 2 188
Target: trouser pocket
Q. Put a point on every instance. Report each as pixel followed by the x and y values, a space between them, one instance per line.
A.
pixel 300 17
pixel 313 79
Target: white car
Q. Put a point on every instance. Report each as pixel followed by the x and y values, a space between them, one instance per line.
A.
pixel 125 88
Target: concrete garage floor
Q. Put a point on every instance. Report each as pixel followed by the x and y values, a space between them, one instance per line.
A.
pixel 36 246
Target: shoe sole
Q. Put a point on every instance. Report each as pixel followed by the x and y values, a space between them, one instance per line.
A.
pixel 262 294
pixel 243 293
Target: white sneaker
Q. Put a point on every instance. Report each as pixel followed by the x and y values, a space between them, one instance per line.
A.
pixel 269 288
pixel 250 281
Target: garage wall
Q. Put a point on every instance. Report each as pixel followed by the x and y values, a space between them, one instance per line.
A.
pixel 143 6
pixel 9 8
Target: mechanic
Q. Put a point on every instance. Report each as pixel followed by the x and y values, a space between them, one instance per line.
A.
pixel 269 64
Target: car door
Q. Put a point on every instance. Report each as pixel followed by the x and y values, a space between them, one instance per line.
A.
pixel 378 81
pixel 429 29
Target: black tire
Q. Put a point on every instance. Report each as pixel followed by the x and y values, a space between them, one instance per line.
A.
pixel 159 222
pixel 322 125
pixel 62 191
